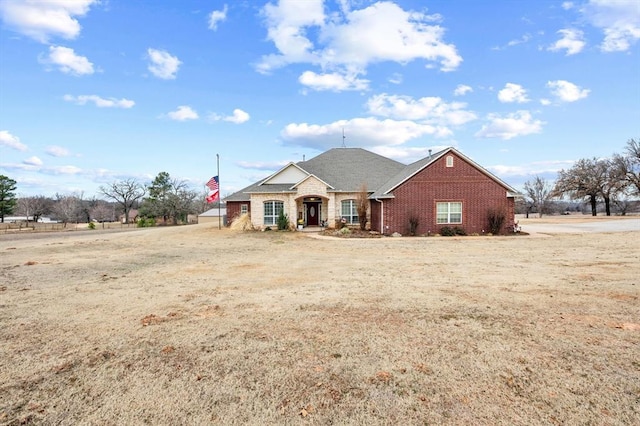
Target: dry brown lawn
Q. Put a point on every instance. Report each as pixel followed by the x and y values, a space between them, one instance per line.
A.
pixel 193 325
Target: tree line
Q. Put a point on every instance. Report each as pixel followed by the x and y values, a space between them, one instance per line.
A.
pixel 165 199
pixel 614 181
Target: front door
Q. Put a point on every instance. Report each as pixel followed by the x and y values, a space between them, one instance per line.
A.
pixel 313 214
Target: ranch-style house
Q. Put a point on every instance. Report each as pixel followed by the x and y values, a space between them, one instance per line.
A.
pixel 444 189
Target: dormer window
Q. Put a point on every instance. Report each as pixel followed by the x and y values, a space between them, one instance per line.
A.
pixel 449 160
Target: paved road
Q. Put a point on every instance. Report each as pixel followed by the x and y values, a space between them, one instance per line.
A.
pixel 598 226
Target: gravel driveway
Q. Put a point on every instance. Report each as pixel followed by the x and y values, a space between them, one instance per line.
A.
pixel 599 226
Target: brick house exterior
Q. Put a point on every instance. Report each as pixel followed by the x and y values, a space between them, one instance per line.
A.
pixel 443 189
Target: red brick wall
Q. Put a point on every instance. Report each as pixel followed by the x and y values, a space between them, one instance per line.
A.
pixel 462 182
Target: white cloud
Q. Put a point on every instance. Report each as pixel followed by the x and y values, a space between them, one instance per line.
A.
pixel 100 102
pixel 396 78
pixel 513 93
pixel 42 20
pixel 348 42
pixel 567 5
pixel 216 17
pixel 67 61
pixel 525 38
pixel 163 64
pixel 572 41
pixel 33 161
pixel 545 101
pixel 57 151
pixel 183 113
pixel 520 123
pixel 11 141
pixel 360 132
pixel 462 89
pixel 566 91
pixel 619 20
pixel 239 116
pixel 431 110
pixel 261 165
pixel 332 81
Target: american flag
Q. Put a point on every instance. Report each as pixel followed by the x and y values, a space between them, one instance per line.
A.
pixel 213 184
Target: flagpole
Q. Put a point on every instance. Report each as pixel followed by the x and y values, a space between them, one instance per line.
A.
pixel 219 193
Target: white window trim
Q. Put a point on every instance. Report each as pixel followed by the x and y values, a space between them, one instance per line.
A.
pixel 244 208
pixel 352 218
pixel 449 213
pixel 275 215
pixel 449 160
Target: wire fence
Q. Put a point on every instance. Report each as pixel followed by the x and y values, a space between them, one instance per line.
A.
pixel 23 226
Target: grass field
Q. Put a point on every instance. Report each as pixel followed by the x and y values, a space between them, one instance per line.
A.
pixel 193 325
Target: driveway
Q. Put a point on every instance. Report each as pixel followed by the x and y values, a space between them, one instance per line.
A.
pixel 581 227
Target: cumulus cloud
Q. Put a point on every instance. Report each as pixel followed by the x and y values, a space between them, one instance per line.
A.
pixel 183 113
pixel 349 41
pixel 360 132
pixel 507 127
pixel 163 65
pixel 619 20
pixel 57 151
pixel 100 102
pixel 462 89
pixel 332 81
pixel 513 93
pixel 239 116
pixel 572 41
pixel 67 61
pixel 565 91
pixel 33 161
pixel 11 141
pixel 432 110
pixel 42 20
pixel 216 17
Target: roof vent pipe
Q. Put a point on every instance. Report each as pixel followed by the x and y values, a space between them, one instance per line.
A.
pixel 429 153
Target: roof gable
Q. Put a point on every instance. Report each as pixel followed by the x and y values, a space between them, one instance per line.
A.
pixel 291 173
pixel 385 191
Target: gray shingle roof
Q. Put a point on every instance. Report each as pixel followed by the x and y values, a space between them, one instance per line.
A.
pixel 404 174
pixel 346 169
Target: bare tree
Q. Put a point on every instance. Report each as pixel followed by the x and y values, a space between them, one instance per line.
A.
pixel 583 180
pixel 102 211
pixel 125 193
pixel 362 205
pixel 66 208
pixel 629 165
pixel 538 193
pixel 36 207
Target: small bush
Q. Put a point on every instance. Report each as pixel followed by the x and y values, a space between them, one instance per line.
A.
pixel 92 225
pixel 283 221
pixel 495 220
pixel 345 231
pixel 459 231
pixel 446 231
pixel 146 223
pixel 413 224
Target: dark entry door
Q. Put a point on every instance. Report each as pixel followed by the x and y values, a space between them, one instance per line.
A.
pixel 313 214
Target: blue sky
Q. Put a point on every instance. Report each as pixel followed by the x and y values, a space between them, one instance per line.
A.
pixel 95 91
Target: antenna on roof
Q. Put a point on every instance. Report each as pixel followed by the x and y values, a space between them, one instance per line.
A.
pixel 343 138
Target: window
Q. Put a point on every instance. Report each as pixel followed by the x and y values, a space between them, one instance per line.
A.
pixel 449 212
pixel 350 211
pixel 449 161
pixel 244 208
pixel 271 211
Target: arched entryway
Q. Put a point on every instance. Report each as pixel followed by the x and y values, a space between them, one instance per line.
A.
pixel 312 208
